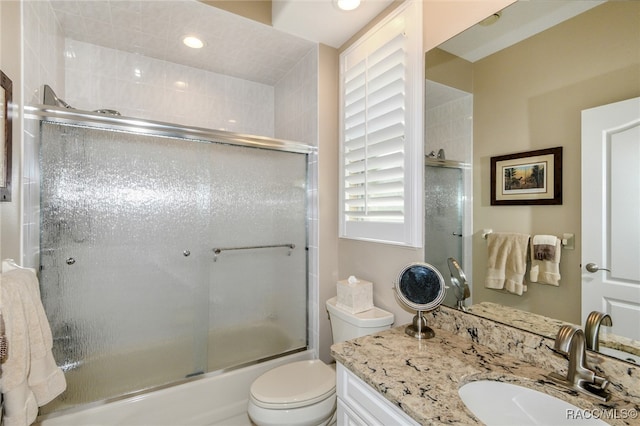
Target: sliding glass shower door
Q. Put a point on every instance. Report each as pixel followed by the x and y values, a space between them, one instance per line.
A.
pixel 155 257
pixel 444 194
pixel 258 279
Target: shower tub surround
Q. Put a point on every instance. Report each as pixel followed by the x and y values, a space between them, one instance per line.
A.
pixel 422 377
pixel 151 278
pixel 212 399
pixel 229 349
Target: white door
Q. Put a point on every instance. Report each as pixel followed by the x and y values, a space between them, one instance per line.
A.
pixel 611 214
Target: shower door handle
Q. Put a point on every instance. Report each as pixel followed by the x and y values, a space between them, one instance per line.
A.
pixel 455 234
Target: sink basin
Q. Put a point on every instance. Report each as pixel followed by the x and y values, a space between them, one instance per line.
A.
pixel 499 403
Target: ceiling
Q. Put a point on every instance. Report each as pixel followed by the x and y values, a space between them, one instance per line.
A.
pixel 240 47
pixel 234 45
pixel 322 21
pixel 517 22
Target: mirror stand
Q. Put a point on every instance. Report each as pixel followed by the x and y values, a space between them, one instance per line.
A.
pixel 419 329
pixel 420 286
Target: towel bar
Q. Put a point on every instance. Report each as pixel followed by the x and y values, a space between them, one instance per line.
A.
pixel 566 240
pixel 217 251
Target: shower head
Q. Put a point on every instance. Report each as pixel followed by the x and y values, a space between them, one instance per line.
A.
pixel 51 99
pixel 440 155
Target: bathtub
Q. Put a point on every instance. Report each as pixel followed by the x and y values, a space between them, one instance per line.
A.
pixel 211 399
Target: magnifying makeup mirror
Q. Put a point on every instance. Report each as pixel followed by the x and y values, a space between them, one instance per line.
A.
pixel 420 286
pixel 459 283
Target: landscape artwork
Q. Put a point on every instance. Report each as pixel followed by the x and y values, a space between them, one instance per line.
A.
pixel 525 178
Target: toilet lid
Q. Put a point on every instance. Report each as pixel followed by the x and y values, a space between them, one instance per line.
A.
pixel 296 384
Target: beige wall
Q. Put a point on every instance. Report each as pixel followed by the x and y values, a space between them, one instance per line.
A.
pixel 327 184
pixel 530 97
pixel 10 65
pixel 450 70
pixel 258 10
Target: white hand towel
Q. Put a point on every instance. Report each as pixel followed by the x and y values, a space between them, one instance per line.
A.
pixel 507 261
pixel 545 260
pixel 30 377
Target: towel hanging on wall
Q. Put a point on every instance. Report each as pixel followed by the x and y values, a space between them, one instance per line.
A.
pixel 507 261
pixel 545 260
pixel 30 376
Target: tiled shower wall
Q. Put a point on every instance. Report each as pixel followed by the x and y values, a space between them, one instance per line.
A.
pixel 138 86
pixel 43 61
pixel 43 50
pixel 449 122
pixel 92 77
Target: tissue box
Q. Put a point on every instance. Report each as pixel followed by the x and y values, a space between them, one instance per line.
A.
pixel 355 296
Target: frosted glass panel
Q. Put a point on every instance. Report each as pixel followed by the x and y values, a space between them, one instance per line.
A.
pixel 258 295
pixel 125 304
pixel 134 292
pixel 443 219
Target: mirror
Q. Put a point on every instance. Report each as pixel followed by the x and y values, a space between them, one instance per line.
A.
pixel 528 95
pixel 420 286
pixel 5 131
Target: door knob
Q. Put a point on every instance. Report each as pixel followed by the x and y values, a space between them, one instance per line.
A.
pixel 593 268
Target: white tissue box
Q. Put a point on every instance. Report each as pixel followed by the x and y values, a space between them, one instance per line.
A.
pixel 355 297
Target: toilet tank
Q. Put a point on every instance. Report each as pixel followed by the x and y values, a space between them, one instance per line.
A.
pixel 347 326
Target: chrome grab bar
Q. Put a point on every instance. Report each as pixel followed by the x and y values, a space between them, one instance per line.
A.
pixel 217 251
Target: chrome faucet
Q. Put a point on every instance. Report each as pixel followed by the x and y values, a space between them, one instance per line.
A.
pixel 592 328
pixel 571 343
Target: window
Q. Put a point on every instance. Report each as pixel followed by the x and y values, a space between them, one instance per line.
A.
pixel 381 78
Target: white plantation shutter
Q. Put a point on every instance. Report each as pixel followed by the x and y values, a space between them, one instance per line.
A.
pixel 381 128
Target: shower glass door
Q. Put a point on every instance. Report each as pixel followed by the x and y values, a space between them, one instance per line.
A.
pixel 119 214
pixel 258 276
pixel 134 292
pixel 444 189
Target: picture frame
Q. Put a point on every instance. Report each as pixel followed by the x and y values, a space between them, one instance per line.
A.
pixel 527 178
pixel 6 132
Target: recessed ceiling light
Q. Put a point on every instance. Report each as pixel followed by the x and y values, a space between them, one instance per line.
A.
pixel 193 42
pixel 491 19
pixel 347 4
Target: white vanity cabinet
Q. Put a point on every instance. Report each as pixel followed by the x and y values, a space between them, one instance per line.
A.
pixel 360 404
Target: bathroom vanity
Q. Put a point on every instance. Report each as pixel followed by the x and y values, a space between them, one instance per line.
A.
pixel 393 378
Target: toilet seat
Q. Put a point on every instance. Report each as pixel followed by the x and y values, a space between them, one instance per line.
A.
pixel 294 385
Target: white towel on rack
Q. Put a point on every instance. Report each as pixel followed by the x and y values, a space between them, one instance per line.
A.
pixel 507 262
pixel 545 260
pixel 30 377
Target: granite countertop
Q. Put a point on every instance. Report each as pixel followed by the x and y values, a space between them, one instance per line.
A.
pixel 422 377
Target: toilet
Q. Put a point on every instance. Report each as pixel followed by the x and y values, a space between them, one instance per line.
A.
pixel 303 393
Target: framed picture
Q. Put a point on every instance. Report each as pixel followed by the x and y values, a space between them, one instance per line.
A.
pixel 5 143
pixel 527 178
